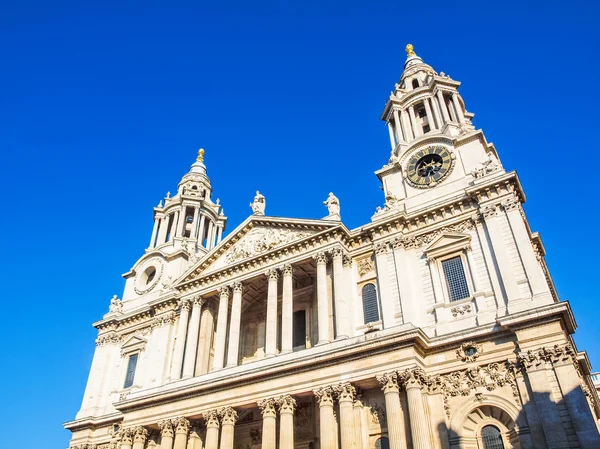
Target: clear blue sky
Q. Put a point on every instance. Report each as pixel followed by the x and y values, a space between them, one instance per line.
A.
pixel 103 106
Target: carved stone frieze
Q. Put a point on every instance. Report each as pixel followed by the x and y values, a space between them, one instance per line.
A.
pixel 418 241
pixel 261 240
pixel 461 310
pixel 108 339
pixel 533 360
pixel 365 266
pixel 163 320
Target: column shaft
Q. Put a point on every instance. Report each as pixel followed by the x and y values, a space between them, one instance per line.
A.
pixel 220 236
pixel 418 132
pixel 458 107
pixel 201 230
pixel 436 112
pixel 180 342
pixel 271 329
pixel 347 432
pixel 287 310
pixel 341 305
pixel 154 232
pixel 234 327
pixel 269 424
pixel 443 107
pixel 181 223
pixel 162 231
pixel 208 237
pixel 430 119
pixel 286 431
pixel 418 423
pixel 392 139
pixel 322 299
pixel 328 429
pixel 212 430
pixel 398 126
pixel 221 337
pixel 407 127
pixel 195 222
pixel 192 339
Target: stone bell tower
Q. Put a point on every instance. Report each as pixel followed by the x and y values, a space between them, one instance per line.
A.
pixel 435 150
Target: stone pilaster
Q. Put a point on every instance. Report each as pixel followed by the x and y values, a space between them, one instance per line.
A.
pixel 287 406
pixel 192 337
pixel 185 306
pixel 393 408
pixel 228 418
pixel 166 434
pixel 327 422
pixel 234 325
pixel 339 295
pixel 413 381
pixel 322 299
pixel 271 325
pixel 345 395
pixel 269 425
pixel 221 338
pixel 287 309
pixel 182 426
pixel 211 419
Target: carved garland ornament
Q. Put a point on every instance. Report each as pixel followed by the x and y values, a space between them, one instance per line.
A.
pixel 413 242
pixel 260 240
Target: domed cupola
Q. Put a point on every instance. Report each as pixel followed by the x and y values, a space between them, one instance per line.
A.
pixel 196 183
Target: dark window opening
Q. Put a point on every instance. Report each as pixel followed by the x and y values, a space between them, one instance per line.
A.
pixel 455 278
pixel 426 129
pixel 370 306
pixel 130 370
pixel 150 274
pixel 415 84
pixel 492 438
pixel 299 329
pixel 189 219
pixel 382 443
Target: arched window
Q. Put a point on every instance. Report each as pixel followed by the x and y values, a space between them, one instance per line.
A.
pixel 491 437
pixel 415 83
pixel 382 443
pixel 370 307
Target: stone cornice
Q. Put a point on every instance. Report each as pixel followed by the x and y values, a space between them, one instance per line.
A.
pixel 93 421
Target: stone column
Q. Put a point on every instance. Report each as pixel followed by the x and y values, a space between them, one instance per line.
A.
pixel 535 276
pixel 271 325
pixel 205 340
pixel 326 420
pixel 503 261
pixel 154 231
pixel 287 310
pixel 174 224
pixel 228 419
pixel 269 425
pixel 391 131
pixel 430 119
pixel 407 127
pixel 339 295
pixel 436 112
pixel 416 130
pixel 185 305
pixel 350 291
pixel 398 125
pixel 413 380
pixel 322 299
pixel 166 434
pixel 458 107
pixel 181 223
pixel 201 230
pixel 358 427
pixel 234 326
pixel 393 409
pixel 126 438
pixel 162 230
pixel 209 235
pixel 287 406
pixel 385 285
pixel 139 437
pixel 195 222
pixel 443 107
pixel 220 236
pixel 345 395
pixel 211 419
pixel 192 337
pixel 182 426
pixel 221 336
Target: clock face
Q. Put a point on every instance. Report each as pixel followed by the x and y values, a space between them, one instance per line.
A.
pixel 429 166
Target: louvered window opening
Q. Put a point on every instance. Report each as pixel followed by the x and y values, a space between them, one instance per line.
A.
pixel 130 370
pixel 455 278
pixel 370 308
pixel 299 336
pixel 491 437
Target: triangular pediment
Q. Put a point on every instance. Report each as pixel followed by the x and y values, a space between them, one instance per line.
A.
pixel 256 236
pixel 447 243
pixel 133 343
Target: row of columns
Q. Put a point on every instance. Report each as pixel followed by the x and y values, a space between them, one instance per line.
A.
pixel 405 125
pixel 173 225
pixel 226 346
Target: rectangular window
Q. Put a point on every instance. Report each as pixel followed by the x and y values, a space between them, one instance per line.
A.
pixel 130 370
pixel 299 338
pixel 455 278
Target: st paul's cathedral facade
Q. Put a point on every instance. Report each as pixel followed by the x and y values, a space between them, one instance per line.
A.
pixel 434 326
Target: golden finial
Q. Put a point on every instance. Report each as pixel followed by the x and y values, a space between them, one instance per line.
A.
pixel 200 155
pixel 410 50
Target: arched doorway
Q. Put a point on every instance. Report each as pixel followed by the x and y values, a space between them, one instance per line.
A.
pixel 491 437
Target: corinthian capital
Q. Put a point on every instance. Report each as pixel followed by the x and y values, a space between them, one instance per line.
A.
pixel 511 203
pixel 185 304
pixel 345 392
pixel 347 260
pixel 272 274
pixel 126 436
pixel 389 382
pixel 320 258
pixel 237 287
pixel 166 428
pixel 267 408
pixel 324 396
pixel 198 300
pixel 140 434
pixel 211 418
pixel 287 269
pixel 287 404
pixel 182 425
pixel 488 211
pixel 381 248
pixel 337 253
pixel 413 378
pixel 228 416
pixel 224 292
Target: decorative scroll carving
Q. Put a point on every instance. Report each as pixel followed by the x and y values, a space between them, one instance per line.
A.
pixel 126 436
pixel 381 248
pixel 347 261
pixel 469 351
pixel 260 240
pixel 365 266
pixel 224 292
pixel 461 310
pixel 197 300
pixel 267 408
pixel 324 396
pixel 87 446
pixel 337 253
pixel 228 416
pixel 185 303
pixel 237 287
